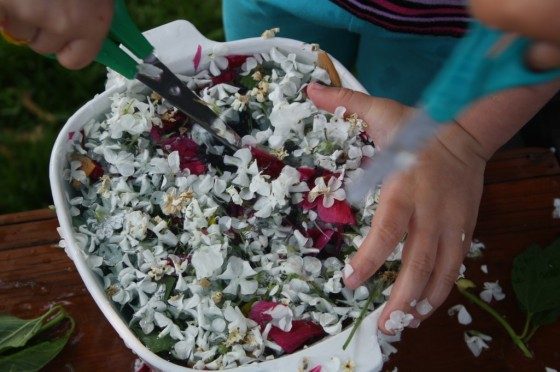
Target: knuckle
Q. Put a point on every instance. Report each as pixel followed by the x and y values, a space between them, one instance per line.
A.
pixel 344 95
pixel 421 264
pixel 388 232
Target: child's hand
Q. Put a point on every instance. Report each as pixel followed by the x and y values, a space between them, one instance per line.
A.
pixel 536 19
pixel 435 202
pixel 72 29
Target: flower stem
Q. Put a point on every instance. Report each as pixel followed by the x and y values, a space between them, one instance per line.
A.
pixel 526 327
pixel 516 339
pixel 374 294
pixel 531 334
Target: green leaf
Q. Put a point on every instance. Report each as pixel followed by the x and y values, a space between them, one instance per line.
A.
pixel 153 342
pixel 545 317
pixel 15 332
pixel 248 81
pixel 536 278
pixel 35 357
pixel 30 356
pixel 170 282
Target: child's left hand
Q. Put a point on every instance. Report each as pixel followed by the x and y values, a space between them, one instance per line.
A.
pixel 435 202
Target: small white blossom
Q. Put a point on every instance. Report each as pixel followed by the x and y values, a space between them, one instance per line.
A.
pixel 492 290
pixel 463 315
pixel 476 342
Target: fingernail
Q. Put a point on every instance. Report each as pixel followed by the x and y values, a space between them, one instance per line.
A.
pixel 414 323
pixel 348 271
pixel 424 307
pixel 317 86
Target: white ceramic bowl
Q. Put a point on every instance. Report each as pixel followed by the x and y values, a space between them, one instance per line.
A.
pixel 176 43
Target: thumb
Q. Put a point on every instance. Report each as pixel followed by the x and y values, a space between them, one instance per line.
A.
pixel 381 114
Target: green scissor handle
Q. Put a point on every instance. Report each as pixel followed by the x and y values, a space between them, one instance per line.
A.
pixel 472 72
pixel 123 31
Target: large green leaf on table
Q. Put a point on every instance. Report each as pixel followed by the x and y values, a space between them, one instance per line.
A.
pixel 536 279
pixel 33 358
pixel 15 332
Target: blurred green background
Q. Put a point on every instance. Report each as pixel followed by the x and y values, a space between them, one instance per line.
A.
pixel 37 96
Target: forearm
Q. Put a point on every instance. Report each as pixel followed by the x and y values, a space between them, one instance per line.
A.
pixel 495 119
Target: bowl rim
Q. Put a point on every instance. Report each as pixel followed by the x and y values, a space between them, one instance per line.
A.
pixel 184 32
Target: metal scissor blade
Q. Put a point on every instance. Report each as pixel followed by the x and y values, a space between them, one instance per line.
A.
pixel 398 156
pixel 169 86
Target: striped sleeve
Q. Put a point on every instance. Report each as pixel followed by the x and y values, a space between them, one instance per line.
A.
pixel 430 17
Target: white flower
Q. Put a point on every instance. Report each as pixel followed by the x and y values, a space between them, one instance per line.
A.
pixel 169 328
pixel 462 314
pixel 385 343
pixel 556 211
pixel 217 59
pixel 236 272
pixel 242 160
pixel 477 341
pixel 484 269
pixel 492 290
pixel 281 317
pixel 330 192
pixel 475 249
pixel 123 161
pixel 396 255
pixel 286 119
pixel 206 260
pixel 136 224
pixel 270 33
pixel 183 349
pixel 398 320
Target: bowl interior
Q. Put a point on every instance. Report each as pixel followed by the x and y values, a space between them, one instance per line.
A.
pixel 176 44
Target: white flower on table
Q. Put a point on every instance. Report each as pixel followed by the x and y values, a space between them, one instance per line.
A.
pixel 492 290
pixel 475 249
pixel 463 315
pixel 237 272
pixel 331 191
pixel 476 342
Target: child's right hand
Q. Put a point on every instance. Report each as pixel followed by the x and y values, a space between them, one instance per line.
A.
pixel 435 202
pixel 72 29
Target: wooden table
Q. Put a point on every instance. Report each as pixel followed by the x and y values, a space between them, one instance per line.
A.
pixel 516 211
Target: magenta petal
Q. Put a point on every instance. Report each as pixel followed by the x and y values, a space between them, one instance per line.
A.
pixel 320 237
pixel 236 60
pixel 340 213
pixel 197 57
pixel 267 163
pixel 258 312
pixel 301 333
pixel 317 368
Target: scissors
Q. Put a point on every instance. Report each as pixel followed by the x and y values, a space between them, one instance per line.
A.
pixel 484 62
pixel 148 69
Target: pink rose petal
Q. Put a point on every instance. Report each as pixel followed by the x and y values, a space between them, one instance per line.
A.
pixel 236 60
pixel 320 237
pixel 339 213
pixel 317 368
pixel 301 333
pixel 258 312
pixel 197 57
pixel 267 163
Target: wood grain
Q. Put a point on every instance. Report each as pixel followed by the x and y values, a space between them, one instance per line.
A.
pixel 516 210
